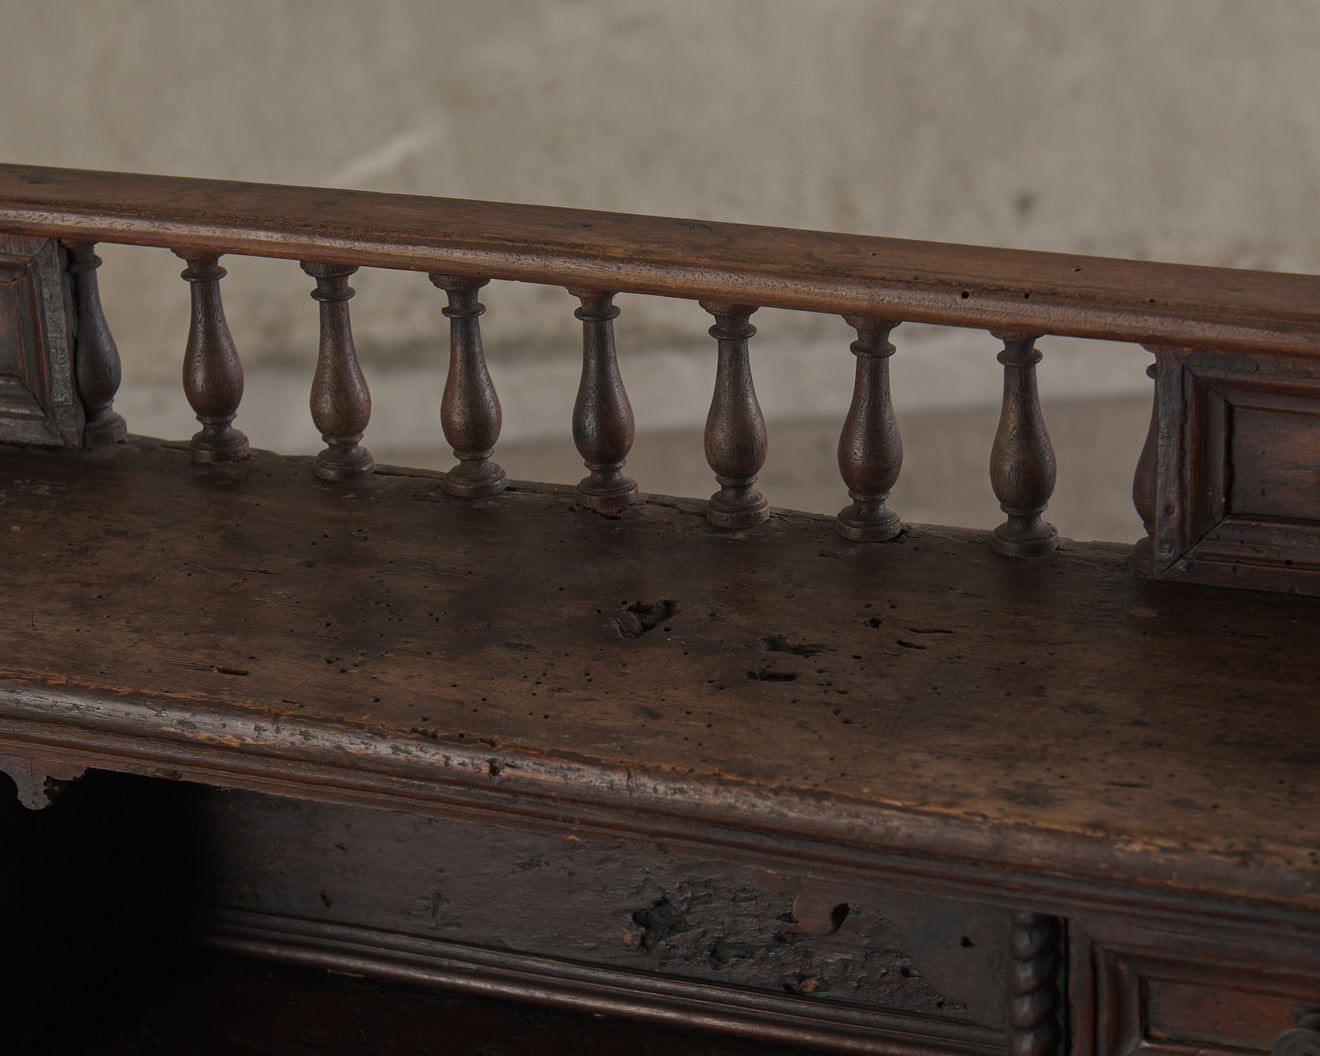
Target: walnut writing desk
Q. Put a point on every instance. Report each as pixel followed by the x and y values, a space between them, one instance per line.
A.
pixel 782 779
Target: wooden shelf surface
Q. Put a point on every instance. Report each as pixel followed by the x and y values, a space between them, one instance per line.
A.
pixel 1059 720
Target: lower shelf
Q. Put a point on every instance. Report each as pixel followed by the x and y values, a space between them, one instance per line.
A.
pixel 225 1006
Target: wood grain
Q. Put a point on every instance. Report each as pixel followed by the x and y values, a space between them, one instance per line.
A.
pixel 1059 723
pixel 973 286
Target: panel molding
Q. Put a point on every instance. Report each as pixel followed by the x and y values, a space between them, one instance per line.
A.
pixel 1184 995
pixel 567 984
pixel 38 395
pixel 1237 503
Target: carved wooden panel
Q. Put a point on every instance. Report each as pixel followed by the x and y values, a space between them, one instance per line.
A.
pixel 592 915
pixel 38 402
pixel 1238 478
pixel 1171 995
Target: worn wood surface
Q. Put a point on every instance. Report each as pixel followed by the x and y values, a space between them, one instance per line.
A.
pixel 121 886
pixel 996 289
pixel 102 909
pixel 768 948
pixel 1039 724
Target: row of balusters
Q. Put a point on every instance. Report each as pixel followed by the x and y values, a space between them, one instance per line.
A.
pixel 1022 469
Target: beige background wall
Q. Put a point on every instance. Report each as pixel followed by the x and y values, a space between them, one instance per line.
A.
pixel 1173 129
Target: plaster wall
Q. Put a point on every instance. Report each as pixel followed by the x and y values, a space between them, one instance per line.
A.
pixel 1180 129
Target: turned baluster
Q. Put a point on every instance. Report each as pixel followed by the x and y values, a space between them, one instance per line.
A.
pixel 95 353
pixel 341 404
pixel 212 373
pixel 1022 460
pixel 735 429
pixel 870 447
pixel 469 409
pixel 602 415
pixel 1143 482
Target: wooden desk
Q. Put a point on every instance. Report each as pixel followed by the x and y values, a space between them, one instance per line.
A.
pixel 840 783
pixel 880 798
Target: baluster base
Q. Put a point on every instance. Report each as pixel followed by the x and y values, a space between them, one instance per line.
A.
pixel 106 430
pixel 341 462
pixel 868 521
pixel 475 478
pixel 737 505
pixel 606 491
pixel 1142 557
pixel 216 445
pixel 1025 535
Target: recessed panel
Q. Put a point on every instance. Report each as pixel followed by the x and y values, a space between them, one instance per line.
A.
pixel 1239 470
pixel 1189 994
pixel 1275 463
pixel 1215 1018
pixel 11 342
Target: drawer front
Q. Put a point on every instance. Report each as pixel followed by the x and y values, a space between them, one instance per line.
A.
pixel 1189 995
pixel 871 960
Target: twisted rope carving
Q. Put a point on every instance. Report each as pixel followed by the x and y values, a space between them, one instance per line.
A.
pixel 1035 963
pixel 1301 1040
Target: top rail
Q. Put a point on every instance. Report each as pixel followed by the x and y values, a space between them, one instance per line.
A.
pixel 1003 290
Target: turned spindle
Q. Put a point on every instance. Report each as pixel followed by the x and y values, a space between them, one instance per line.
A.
pixel 602 415
pixel 1143 482
pixel 870 447
pixel 1022 459
pixel 212 373
pixel 735 429
pixel 95 353
pixel 469 409
pixel 341 404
